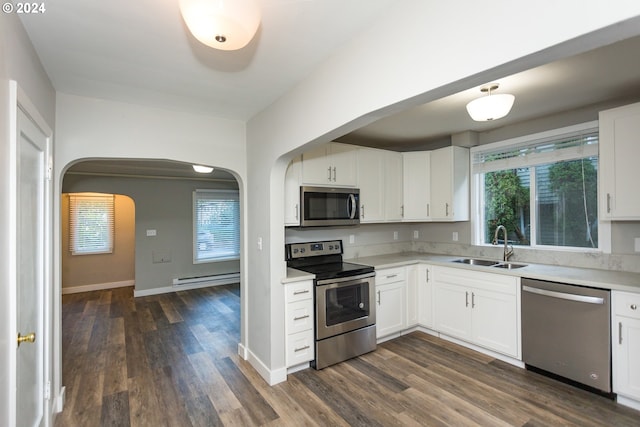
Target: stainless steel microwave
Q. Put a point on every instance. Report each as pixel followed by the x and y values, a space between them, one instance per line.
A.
pixel 329 206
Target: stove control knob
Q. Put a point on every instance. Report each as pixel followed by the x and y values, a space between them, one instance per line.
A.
pixel 295 251
pixel 302 250
pixel 330 247
pixel 337 247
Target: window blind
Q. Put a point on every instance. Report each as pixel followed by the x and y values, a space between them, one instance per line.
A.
pixel 91 223
pixel 569 146
pixel 216 225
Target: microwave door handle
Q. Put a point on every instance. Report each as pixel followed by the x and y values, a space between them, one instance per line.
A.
pixel 352 206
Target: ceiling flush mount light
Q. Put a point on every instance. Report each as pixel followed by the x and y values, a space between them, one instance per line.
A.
pixel 202 169
pixel 221 24
pixel 490 107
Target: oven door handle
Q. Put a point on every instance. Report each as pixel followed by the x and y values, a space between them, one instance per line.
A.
pixel 345 279
pixel 562 295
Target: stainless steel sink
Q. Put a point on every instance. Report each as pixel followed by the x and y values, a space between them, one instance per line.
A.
pixel 509 265
pixel 474 261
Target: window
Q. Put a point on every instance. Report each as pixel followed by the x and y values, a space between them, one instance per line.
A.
pixel 91 220
pixel 542 188
pixel 216 231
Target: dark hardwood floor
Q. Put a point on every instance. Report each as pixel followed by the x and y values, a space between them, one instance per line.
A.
pixel 171 360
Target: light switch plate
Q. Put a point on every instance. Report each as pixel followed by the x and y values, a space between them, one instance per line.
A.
pixel 416 234
pixel 151 232
pixel 637 244
pixel 454 236
pixel 395 235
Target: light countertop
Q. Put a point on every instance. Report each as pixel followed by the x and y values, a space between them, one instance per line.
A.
pixel 605 279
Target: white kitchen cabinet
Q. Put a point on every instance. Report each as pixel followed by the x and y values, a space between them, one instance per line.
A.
pixel 413 300
pixel 619 151
pixel 390 301
pixel 449 181
pixel 626 344
pixel 330 164
pixel 481 308
pixel 416 185
pixel 292 192
pixel 425 295
pixel 393 186
pixel 371 182
pixel 299 324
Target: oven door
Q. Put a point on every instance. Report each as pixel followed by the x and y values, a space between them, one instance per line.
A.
pixel 344 305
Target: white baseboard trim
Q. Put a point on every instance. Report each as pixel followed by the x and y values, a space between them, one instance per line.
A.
pixel 97 287
pixel 631 403
pixel 58 404
pixel 176 288
pixel 242 351
pixel 272 377
pixel 495 355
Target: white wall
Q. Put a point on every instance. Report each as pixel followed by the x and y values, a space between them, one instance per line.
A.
pixel 435 49
pixel 19 62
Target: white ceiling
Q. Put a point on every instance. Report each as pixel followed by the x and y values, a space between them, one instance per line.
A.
pixel 141 52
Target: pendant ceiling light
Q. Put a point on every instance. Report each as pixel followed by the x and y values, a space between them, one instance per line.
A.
pixel 221 24
pixel 490 107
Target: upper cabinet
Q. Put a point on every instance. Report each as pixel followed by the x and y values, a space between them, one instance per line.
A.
pixel 436 185
pixel 292 192
pixel 450 184
pixel 380 183
pixel 330 164
pixel 618 158
pixel 416 185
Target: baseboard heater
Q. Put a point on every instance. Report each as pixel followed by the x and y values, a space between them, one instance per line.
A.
pixel 215 279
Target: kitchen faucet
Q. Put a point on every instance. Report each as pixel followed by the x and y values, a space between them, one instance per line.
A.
pixel 507 252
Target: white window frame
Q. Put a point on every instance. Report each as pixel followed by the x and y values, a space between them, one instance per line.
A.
pixel 108 200
pixel 213 194
pixel 477 187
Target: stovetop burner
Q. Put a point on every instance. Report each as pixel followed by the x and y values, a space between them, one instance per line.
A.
pixel 324 259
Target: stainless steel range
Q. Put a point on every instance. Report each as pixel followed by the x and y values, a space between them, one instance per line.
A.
pixel 345 317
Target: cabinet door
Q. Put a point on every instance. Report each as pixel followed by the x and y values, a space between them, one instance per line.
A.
pixel 292 192
pixel 495 321
pixel 416 185
pixel 315 166
pixel 619 153
pixel 343 164
pixel 393 185
pixel 390 312
pixel 626 367
pixel 371 183
pixel 452 310
pixel 425 295
pixel 413 300
pixel 441 183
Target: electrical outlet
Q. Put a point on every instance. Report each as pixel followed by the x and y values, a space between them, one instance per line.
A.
pixel 259 243
pixel 151 233
pixel 395 235
pixel 637 244
pixel 352 238
pixel 416 234
pixel 454 236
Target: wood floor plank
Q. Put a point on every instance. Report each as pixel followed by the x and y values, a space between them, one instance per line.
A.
pixel 144 407
pixel 115 410
pixel 202 413
pixel 216 388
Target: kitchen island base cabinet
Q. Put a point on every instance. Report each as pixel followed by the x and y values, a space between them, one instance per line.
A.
pixel 626 346
pixel 479 308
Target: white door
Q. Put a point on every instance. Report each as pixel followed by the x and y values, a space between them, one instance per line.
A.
pixel 31 164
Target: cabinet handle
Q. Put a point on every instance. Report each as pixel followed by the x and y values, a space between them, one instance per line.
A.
pixel 301 317
pixel 378 297
pixel 428 209
pixel 633 307
pixel 297 211
pixel 300 348
pixel 608 202
pixel 306 291
pixel 362 211
pixel 402 211
pixel 473 300
pixel 620 333
pixel 446 209
pixel 329 169
pixel 427 275
pixel 391 276
pixel 466 299
pixel 335 175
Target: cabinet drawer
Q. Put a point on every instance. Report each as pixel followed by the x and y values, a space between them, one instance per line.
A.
pixel 298 291
pixel 299 316
pixel 492 282
pixel 627 304
pixel 390 275
pixel 300 348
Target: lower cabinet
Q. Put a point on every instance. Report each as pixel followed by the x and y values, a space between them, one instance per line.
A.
pixel 477 307
pixel 299 323
pixel 626 344
pixel 391 288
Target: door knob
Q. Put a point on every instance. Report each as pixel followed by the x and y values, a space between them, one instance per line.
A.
pixel 26 338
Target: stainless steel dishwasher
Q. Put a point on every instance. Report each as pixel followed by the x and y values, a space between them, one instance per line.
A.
pixel 566 331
